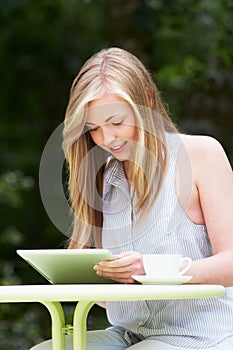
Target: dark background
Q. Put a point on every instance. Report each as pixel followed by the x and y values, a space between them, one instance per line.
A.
pixel 186 44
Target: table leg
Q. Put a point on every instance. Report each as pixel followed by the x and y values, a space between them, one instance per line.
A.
pixel 80 324
pixel 58 322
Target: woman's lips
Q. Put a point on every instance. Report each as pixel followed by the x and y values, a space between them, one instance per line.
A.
pixel 118 148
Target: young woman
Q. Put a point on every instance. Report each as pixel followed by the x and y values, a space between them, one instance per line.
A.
pixel 138 186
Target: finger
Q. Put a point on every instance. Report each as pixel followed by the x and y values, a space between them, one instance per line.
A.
pixel 123 259
pixel 117 277
pixel 113 269
pixel 130 268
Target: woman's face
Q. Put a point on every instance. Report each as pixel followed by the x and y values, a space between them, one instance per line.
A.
pixel 112 125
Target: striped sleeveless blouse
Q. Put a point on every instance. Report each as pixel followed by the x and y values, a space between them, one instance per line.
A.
pixel 194 323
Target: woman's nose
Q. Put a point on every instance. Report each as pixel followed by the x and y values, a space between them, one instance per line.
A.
pixel 108 135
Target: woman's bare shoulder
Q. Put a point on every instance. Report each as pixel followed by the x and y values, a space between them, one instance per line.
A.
pixel 201 142
pixel 207 157
pixel 205 148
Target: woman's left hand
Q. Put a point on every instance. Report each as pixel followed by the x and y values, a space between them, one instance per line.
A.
pixel 122 267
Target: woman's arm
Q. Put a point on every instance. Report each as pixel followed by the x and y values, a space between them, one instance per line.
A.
pixel 213 179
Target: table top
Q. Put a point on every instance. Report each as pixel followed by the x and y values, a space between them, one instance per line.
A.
pixel 106 292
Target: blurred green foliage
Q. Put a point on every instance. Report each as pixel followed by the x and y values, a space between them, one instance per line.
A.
pixel 186 44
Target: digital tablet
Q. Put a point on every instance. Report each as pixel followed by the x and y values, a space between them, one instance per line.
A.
pixel 67 266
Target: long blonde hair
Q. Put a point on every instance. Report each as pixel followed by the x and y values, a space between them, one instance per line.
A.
pixel 115 71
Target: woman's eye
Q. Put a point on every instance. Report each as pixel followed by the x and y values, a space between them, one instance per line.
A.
pixel 93 129
pixel 117 122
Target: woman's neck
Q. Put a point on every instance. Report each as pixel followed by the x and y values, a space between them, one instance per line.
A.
pixel 126 168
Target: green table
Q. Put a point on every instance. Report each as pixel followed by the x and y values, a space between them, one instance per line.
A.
pixel 87 294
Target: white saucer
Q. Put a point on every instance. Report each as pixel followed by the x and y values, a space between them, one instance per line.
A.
pixel 144 279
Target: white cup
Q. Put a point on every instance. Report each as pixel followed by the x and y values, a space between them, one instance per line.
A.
pixel 165 264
